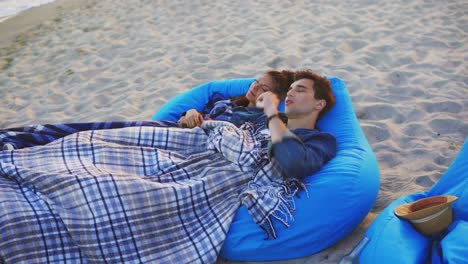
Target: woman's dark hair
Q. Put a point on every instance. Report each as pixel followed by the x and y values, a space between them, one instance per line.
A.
pixel 283 80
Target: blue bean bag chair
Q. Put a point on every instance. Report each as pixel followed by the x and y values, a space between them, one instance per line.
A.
pixel 339 196
pixel 393 240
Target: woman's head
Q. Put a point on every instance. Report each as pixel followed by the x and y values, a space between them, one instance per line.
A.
pixel 277 82
pixel 283 79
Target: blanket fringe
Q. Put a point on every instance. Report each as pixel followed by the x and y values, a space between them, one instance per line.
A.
pixel 285 207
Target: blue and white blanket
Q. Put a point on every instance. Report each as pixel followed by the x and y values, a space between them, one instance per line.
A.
pixel 137 194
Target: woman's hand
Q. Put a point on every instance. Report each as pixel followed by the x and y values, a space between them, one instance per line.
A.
pixel 191 119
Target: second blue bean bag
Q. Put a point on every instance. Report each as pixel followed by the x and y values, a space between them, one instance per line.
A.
pixel 389 234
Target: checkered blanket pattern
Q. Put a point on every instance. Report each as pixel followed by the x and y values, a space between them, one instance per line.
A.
pixel 137 194
pixel 41 134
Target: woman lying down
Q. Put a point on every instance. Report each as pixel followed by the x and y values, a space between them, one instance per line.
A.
pixel 147 193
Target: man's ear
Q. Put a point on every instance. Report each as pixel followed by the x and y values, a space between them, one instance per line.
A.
pixel 321 104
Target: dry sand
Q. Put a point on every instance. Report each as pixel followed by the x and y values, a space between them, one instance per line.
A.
pixel 404 64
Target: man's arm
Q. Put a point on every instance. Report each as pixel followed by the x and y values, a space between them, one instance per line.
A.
pixel 301 158
pixel 297 158
pixel 275 124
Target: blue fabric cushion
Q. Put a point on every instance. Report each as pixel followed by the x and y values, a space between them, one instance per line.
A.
pixel 389 234
pixel 339 196
pixel 197 97
pixel 455 244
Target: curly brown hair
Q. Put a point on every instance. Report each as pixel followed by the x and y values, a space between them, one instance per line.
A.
pixel 322 88
pixel 283 80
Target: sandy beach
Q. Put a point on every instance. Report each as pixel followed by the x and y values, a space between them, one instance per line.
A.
pixel 404 63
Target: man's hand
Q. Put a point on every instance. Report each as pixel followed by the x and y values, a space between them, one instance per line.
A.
pixel 191 119
pixel 270 103
pixel 182 122
pixel 275 124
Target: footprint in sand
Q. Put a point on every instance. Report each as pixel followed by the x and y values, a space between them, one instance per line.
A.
pixel 238 58
pixel 448 126
pixel 445 107
pixel 416 115
pixel 274 62
pixel 378 112
pixel 352 45
pixel 441 160
pixel 424 181
pixel 397 78
pixel 200 59
pixel 376 133
pixel 416 130
pixel 389 160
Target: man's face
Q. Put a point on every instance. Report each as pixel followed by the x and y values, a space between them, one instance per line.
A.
pixel 300 99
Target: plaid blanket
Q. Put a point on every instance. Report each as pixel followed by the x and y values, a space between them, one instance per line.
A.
pixel 33 135
pixel 138 194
